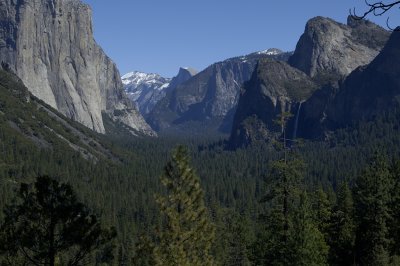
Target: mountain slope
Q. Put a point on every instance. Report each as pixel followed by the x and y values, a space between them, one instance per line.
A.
pixel 205 104
pixel 25 117
pixel 50 46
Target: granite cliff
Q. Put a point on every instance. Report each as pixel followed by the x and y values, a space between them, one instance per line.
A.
pixel 49 44
pixel 352 80
pixel 329 49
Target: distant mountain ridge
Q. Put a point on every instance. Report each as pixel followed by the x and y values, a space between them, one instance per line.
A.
pixel 207 101
pixel 146 90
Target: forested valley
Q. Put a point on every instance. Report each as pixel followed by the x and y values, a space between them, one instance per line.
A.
pixel 269 158
pixel 330 202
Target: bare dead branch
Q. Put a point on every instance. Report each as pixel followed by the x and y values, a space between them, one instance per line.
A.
pixel 377 9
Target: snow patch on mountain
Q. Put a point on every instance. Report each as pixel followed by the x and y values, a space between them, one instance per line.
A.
pixel 145 89
pixel 270 51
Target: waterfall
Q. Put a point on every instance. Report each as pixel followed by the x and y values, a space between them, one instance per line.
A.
pixel 296 123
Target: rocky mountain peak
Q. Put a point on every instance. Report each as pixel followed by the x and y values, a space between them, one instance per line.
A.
pixel 184 74
pixel 137 78
pixel 145 89
pixel 189 70
pixel 329 48
pixel 271 51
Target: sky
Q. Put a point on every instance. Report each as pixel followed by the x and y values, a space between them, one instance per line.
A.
pixel 159 36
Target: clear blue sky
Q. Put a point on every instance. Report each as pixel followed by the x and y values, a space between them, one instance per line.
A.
pixel 159 36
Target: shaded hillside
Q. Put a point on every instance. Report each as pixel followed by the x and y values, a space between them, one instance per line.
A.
pixel 276 87
pixel 24 116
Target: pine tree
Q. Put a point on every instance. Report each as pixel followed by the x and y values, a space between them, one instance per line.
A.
pixel 342 230
pixel 274 243
pixel 323 212
pixel 291 235
pixel 372 198
pixel 236 236
pixel 309 246
pixel 144 252
pixel 188 234
pixel 48 224
pixel 395 210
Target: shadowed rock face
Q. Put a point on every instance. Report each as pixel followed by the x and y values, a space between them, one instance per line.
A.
pixel 49 44
pixel 370 89
pixel 184 74
pixel 329 48
pixel 353 79
pixel 367 92
pixel 275 87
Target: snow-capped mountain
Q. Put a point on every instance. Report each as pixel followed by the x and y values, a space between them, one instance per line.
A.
pixel 271 51
pixel 144 89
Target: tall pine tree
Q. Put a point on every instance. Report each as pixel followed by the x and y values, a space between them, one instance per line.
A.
pixel 290 236
pixel 372 198
pixel 394 224
pixel 309 246
pixel 342 229
pixel 188 234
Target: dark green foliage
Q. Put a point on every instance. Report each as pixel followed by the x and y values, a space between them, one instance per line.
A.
pixel 372 198
pixel 323 212
pixel 188 234
pixel 394 223
pixel 121 181
pixel 309 246
pixel 144 252
pixel 283 198
pixel 342 230
pixel 47 225
pixel 292 235
pixel 235 236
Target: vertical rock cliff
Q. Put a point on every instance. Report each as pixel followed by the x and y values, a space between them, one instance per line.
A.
pixel 49 44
